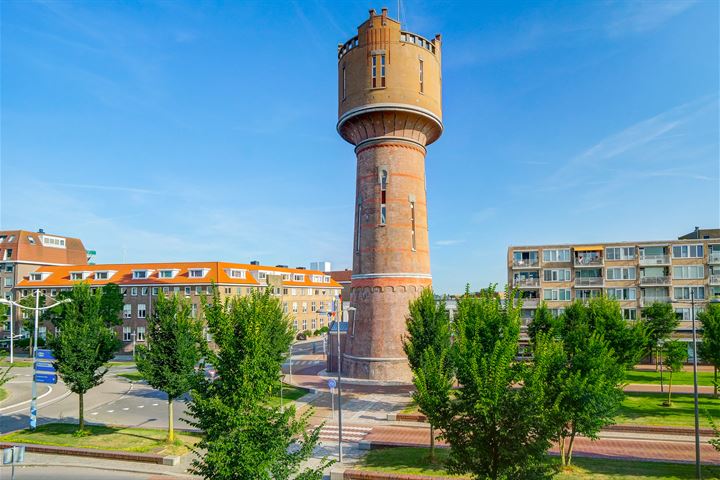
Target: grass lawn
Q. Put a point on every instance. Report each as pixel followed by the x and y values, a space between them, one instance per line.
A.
pixel 132 376
pixel 3 394
pixel 408 460
pixel 16 363
pixel 140 440
pixel 289 394
pixel 679 378
pixel 647 409
pixel 119 363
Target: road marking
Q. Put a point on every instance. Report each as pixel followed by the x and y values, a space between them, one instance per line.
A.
pixel 141 406
pixel 50 389
pixel 27 374
pixel 94 413
pixel 126 408
pixel 110 411
pixel 155 404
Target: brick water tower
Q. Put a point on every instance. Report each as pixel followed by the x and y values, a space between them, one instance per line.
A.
pixel 389 99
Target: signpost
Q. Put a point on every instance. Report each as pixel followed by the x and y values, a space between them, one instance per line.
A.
pixel 47 375
pixel 332 384
pixel 13 455
pixel 45 378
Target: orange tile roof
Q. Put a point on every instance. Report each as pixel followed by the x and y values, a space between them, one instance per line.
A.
pixel 217 272
pixel 341 275
pixel 25 250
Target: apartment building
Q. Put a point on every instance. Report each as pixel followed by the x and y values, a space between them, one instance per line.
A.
pixel 23 252
pixel 303 293
pixel 636 274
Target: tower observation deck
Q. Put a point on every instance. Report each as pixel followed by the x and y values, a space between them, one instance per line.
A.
pixel 389 108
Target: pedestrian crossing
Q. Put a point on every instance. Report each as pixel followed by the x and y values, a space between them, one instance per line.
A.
pixel 329 434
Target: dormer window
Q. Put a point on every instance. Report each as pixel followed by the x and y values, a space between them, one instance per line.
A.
pixel 298 277
pixel 197 272
pixel 141 274
pixel 39 276
pixel 54 242
pixel 286 276
pixel 326 279
pixel 79 275
pixel 317 278
pixel 31 240
pixel 103 274
pixel 235 273
pixel 168 273
pixel 262 275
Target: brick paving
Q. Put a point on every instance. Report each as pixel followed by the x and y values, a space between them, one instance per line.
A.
pixel 630 448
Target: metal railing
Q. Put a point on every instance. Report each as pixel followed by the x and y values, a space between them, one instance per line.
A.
pixel 714 279
pixel 528 262
pixel 646 301
pixel 714 257
pixel 589 281
pixel 655 280
pixel 347 46
pixel 530 302
pixel 588 261
pixel 654 259
pixel 526 282
pixel 423 42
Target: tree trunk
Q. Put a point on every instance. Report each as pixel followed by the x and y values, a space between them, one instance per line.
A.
pixel 715 383
pixel 81 413
pixel 432 443
pixel 657 358
pixel 669 401
pixel 561 444
pixel 570 448
pixel 171 430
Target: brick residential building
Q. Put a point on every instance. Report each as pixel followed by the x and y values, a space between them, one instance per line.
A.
pixel 635 273
pixel 302 292
pixel 23 252
pixel 389 108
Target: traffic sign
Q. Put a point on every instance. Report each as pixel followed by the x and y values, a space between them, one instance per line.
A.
pixel 44 367
pixel 45 378
pixel 332 383
pixel 46 354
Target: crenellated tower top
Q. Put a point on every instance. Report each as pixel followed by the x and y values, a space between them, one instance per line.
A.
pixel 389 84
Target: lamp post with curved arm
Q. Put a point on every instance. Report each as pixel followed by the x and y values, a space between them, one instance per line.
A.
pixel 37 310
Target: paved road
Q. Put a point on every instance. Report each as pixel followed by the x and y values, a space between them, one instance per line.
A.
pixel 76 473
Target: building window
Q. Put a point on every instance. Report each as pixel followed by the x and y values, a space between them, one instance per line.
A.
pixel 422 77
pixel 298 278
pixel 295 307
pixel 198 290
pixel 101 275
pixel 295 324
pixel 313 307
pixel 53 292
pixel 127 334
pixel 141 334
pixel 188 291
pixel 557 294
pixel 304 307
pixel 383 195
pixel 684 313
pixel 140 274
pixel 133 291
pixel 687 251
pixel 313 323
pixel 629 313
pixel 285 307
pixel 620 253
pixel 155 290
pixel 689 272
pixel 683 293
pixel 412 225
pixel 559 275
pixel 304 324
pixel 621 273
pixel 556 255
pixel 8 281
pixel 374 71
pixel 196 272
pixel 144 290
pixel 142 310
pixel 344 84
pixel 262 275
pixel 166 290
pixel 193 310
pixel 236 273
pixel 127 310
pixel 76 276
pixel 622 293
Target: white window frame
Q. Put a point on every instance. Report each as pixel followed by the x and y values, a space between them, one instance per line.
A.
pixel 141 310
pixel 127 310
pixel 694 250
pixel 684 272
pixel 554 255
pixel 686 288
pixel 556 274
pixel 127 334
pixel 620 273
pixel 140 334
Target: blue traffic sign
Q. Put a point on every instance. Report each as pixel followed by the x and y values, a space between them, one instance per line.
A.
pixel 332 383
pixel 46 354
pixel 45 378
pixel 44 367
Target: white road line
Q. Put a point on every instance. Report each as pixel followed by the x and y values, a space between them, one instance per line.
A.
pixel 126 408
pixel 155 404
pixel 50 389
pixel 141 406
pixel 94 413
pixel 110 411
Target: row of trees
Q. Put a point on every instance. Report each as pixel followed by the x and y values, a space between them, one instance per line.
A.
pixel 243 434
pixel 501 415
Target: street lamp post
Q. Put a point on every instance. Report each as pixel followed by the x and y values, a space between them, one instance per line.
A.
pixel 12 334
pixel 37 310
pixel 661 344
pixel 698 472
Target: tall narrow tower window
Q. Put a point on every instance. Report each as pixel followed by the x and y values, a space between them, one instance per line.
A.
pixel 357 228
pixel 383 196
pixel 378 61
pixel 422 75
pixel 374 71
pixel 344 84
pixel 382 70
pixel 412 224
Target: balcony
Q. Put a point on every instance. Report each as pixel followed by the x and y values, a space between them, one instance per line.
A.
pixel 714 257
pixel 647 301
pixel 526 263
pixel 588 262
pixel 589 282
pixel 714 279
pixel 650 260
pixel 530 302
pixel 652 281
pixel 526 282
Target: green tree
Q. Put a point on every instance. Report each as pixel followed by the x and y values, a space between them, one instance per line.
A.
pixel 496 423
pixel 427 347
pixel 28 317
pixel 660 321
pixel 675 357
pixel 709 348
pixel 243 435
pixel 584 388
pixel 84 344
pixel 715 442
pixel 175 346
pixel 111 304
pixel 542 322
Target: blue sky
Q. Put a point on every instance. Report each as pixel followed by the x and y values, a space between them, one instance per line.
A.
pixel 184 131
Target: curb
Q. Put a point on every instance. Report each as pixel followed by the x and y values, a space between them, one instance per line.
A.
pixel 96 453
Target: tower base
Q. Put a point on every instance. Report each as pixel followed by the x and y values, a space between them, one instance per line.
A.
pixel 383 370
